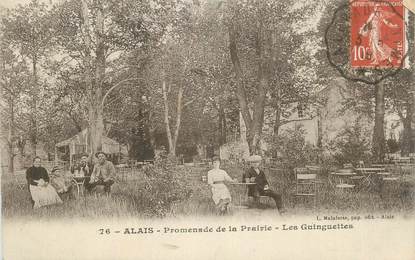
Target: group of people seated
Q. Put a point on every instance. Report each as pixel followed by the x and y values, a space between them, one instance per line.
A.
pixel 260 187
pixel 43 193
pixel 102 173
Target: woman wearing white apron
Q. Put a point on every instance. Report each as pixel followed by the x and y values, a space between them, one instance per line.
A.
pixel 220 193
pixel 42 193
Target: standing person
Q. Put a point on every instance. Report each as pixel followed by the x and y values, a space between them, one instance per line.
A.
pixel 42 194
pixel 220 193
pixel 84 169
pixel 255 175
pixel 103 173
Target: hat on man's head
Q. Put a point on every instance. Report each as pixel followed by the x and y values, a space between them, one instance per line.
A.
pixel 254 158
pixel 100 152
pixel 55 168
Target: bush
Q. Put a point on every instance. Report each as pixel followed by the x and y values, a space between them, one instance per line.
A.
pixel 159 187
pixel 351 145
pixel 293 150
pixel 393 145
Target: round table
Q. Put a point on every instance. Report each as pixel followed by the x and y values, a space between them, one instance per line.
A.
pixel 342 175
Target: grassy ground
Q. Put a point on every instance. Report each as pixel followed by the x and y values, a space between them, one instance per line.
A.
pixel 124 200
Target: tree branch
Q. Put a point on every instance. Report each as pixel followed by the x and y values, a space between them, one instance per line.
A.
pixel 284 122
pixel 113 87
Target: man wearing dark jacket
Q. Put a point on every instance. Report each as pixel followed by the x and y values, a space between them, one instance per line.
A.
pixel 257 176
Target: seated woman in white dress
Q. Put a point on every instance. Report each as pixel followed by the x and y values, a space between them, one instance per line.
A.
pixel 220 193
pixel 41 192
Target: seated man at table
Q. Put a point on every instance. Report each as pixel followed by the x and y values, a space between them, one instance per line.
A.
pixel 83 169
pixel 256 175
pixel 103 173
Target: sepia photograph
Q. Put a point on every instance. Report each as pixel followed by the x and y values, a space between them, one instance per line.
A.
pixel 145 129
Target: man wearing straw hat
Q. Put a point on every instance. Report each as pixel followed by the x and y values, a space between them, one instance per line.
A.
pixel 255 175
pixel 103 174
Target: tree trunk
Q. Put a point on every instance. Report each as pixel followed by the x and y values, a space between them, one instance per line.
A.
pixel 222 125
pixel 33 112
pixel 172 147
pixel 178 118
pixel 254 124
pixel 10 138
pixel 172 137
pixel 151 130
pixel 240 88
pixel 378 131
pixel 319 129
pixel 88 75
pixel 93 79
pixel 259 106
pixel 277 122
pixel 97 129
pixel 406 136
pixel 99 77
pixel 255 134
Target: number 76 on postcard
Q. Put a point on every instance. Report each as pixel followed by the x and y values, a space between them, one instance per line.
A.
pixel 377 31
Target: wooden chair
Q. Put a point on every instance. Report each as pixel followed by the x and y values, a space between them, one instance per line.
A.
pixel 79 183
pixel 362 180
pixel 306 186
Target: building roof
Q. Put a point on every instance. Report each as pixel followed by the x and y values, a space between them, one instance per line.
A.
pixel 108 145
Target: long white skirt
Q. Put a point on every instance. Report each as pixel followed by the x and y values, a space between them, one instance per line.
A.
pixel 220 191
pixel 43 196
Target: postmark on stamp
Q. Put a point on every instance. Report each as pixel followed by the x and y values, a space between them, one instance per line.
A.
pixel 366 40
pixel 376 33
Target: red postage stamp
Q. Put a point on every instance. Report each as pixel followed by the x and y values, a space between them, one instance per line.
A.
pixel 377 33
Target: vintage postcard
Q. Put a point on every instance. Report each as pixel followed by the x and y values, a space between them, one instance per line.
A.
pixel 207 129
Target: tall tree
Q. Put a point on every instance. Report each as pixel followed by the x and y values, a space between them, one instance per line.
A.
pixel 99 34
pixel 13 82
pixel 29 30
pixel 265 60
